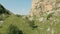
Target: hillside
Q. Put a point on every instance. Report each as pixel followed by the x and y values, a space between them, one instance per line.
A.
pixel 4 13
pixel 44 23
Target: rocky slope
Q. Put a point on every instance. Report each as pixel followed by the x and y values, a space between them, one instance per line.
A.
pixel 46 14
pixel 43 6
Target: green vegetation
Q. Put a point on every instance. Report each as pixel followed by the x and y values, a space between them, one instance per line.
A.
pixel 14 30
pixel 19 24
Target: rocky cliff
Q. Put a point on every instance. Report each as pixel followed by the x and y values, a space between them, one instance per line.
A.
pixel 46 14
pixel 44 6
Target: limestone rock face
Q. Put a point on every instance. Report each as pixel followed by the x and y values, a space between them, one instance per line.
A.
pixel 42 6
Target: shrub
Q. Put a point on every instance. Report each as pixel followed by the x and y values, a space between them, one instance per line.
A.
pixel 14 30
pixel 32 24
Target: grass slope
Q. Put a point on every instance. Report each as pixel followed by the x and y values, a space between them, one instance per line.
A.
pixel 51 26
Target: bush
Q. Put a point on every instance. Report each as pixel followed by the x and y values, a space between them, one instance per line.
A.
pixel 14 30
pixel 48 16
pixel 18 15
pixel 32 24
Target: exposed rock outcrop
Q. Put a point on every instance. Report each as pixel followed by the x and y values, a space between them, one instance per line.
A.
pixel 42 6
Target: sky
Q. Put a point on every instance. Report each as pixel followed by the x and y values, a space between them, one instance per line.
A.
pixel 21 7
